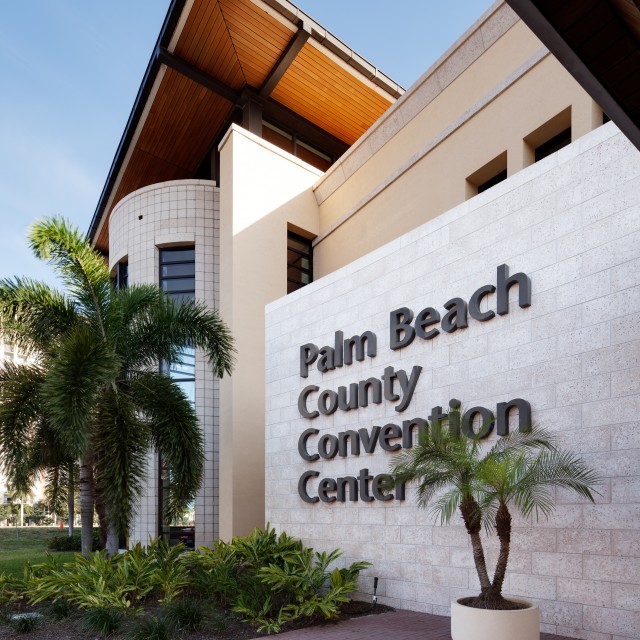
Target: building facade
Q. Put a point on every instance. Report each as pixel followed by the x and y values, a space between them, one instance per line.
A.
pixel 11 353
pixel 240 179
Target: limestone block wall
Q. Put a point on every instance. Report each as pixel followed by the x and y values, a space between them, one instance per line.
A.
pixel 572 223
pixel 163 215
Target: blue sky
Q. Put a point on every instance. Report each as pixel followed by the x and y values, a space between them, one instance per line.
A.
pixel 70 71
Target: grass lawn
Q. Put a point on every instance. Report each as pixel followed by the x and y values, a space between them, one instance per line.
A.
pixel 17 545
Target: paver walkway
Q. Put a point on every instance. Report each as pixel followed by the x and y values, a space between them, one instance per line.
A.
pixel 395 625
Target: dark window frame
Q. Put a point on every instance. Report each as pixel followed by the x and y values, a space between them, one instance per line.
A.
pixel 122 275
pixel 297 140
pixel 553 144
pixel 166 530
pixel 308 244
pixel 164 263
pixel 501 176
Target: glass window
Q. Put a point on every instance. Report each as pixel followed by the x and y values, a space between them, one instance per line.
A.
pixel 552 145
pixel 183 254
pixel 493 181
pixel 173 285
pixel 277 136
pixel 299 261
pixel 122 275
pixel 176 270
pixel 178 280
pixel 290 142
pixel 178 273
pixel 313 156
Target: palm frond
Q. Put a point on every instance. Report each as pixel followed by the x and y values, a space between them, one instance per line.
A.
pixel 33 315
pixel 553 469
pixel 162 329
pixel 446 505
pixel 121 442
pixel 535 439
pixel 56 488
pixel 175 435
pixel 80 266
pixel 20 409
pixel 83 366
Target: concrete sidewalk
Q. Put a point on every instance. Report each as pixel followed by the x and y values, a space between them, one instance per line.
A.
pixel 395 625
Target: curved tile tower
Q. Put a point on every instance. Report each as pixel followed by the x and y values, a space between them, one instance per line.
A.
pixel 178 213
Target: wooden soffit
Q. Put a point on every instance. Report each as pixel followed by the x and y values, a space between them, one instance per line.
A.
pixel 208 55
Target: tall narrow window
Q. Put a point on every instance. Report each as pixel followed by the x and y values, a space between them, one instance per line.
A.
pixel 178 273
pixel 299 261
pixel 178 280
pixel 122 275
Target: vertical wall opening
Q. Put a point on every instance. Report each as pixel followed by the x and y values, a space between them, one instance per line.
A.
pixel 550 137
pixel 178 280
pixel 299 261
pixel 489 175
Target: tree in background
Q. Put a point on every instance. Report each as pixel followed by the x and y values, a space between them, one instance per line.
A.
pixel 94 387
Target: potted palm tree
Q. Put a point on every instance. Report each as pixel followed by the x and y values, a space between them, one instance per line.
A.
pixel 485 482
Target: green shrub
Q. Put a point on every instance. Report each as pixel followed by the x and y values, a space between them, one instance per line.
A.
pixel 59 610
pixel 214 572
pixel 122 582
pixel 184 615
pixel 25 624
pixel 13 590
pixel 91 582
pixel 151 629
pixel 270 579
pixel 170 573
pixel 219 622
pixel 5 612
pixel 65 542
pixel 102 620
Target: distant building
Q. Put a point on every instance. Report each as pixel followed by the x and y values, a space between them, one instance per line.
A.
pixel 11 353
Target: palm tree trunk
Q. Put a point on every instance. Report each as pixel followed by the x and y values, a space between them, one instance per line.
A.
pixel 113 541
pixel 503 529
pixel 71 490
pixel 470 514
pixel 102 518
pixel 86 505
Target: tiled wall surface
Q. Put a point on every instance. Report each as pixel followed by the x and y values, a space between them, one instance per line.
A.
pixel 572 223
pixel 163 215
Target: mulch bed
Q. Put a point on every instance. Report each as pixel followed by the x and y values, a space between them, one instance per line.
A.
pixel 71 629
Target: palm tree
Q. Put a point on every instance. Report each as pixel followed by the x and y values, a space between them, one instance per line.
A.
pixel 519 471
pixel 95 382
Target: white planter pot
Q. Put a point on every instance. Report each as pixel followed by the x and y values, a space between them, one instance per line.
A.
pixel 468 623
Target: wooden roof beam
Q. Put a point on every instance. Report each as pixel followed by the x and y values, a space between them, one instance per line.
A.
pixel 197 75
pixel 284 62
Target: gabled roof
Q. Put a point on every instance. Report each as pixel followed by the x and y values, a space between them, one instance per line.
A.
pixel 210 56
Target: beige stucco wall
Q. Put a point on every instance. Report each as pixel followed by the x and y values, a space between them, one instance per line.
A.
pixel 263 190
pixel 494 87
pixel 163 215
